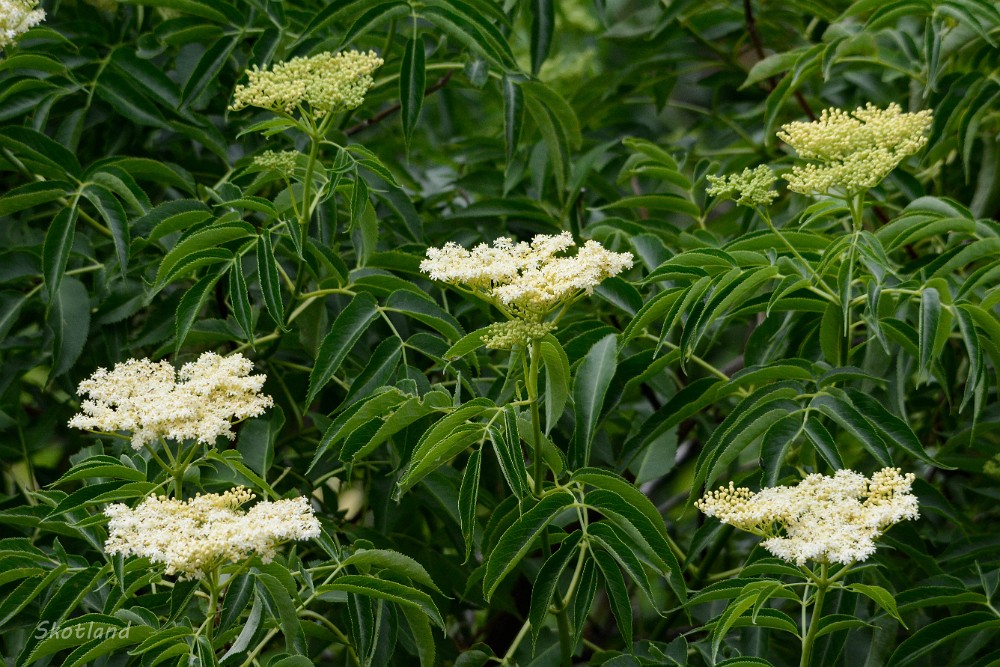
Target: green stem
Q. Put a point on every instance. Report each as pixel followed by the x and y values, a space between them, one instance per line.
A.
pixel 531 382
pixel 213 602
pixel 536 420
pixel 822 583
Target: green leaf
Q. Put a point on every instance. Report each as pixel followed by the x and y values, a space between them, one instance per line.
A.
pixel 390 591
pixel 412 81
pixel 114 216
pixel 379 13
pixel 930 316
pixel 603 535
pixel 285 613
pixel 892 429
pixel 420 628
pixel 547 582
pixel 468 499
pixel 881 597
pixel 257 438
pixel 425 310
pixel 207 238
pixel 513 115
pixel 842 411
pixel 516 541
pixel 378 372
pixel 69 320
pixel 728 618
pixel 437 451
pixel 270 285
pixel 393 561
pixel 33 194
pixel 337 344
pixel 542 26
pixel 57 247
pixel 41 153
pixel 777 441
pixel 556 381
pixel 208 68
pixel 672 203
pixel 614 586
pixel 939 632
pixel 240 299
pixel 189 307
pixel 590 386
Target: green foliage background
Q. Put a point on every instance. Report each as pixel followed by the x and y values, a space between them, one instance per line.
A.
pixel 133 224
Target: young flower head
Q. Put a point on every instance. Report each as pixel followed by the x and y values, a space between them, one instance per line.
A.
pixel 325 83
pixel 282 162
pixel 195 536
pixel 16 18
pixel 526 280
pixel 151 400
pixel 824 519
pixel 853 151
pixel 751 187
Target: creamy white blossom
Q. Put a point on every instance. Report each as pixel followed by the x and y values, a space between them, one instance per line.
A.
pixel 853 150
pixel 151 400
pixel 16 18
pixel 325 83
pixel 528 280
pixel 195 536
pixel 824 519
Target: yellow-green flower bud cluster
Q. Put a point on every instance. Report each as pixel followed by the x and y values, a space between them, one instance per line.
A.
pixel 16 18
pixel 823 519
pixel 325 83
pixel 751 187
pixel 853 151
pixel 506 335
pixel 281 161
pixel 194 537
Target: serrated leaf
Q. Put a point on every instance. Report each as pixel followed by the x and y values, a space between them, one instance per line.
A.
pixel 390 591
pixel 345 332
pixel 516 541
pixel 547 582
pixel 590 386
pixel 57 247
pixel 412 81
pixel 468 499
pixel 267 274
pixel 69 320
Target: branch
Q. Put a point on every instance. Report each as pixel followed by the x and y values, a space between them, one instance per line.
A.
pixel 758 48
pixel 385 113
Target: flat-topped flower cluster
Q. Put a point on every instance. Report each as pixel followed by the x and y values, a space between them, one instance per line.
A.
pixel 853 150
pixel 193 537
pixel 16 18
pixel 152 400
pixel 824 519
pixel 526 280
pixel 325 83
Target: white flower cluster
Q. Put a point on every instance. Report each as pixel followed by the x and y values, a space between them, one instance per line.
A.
pixel 823 519
pixel 527 279
pixel 854 150
pixel 282 161
pixel 326 82
pixel 751 187
pixel 193 537
pixel 151 400
pixel 16 18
